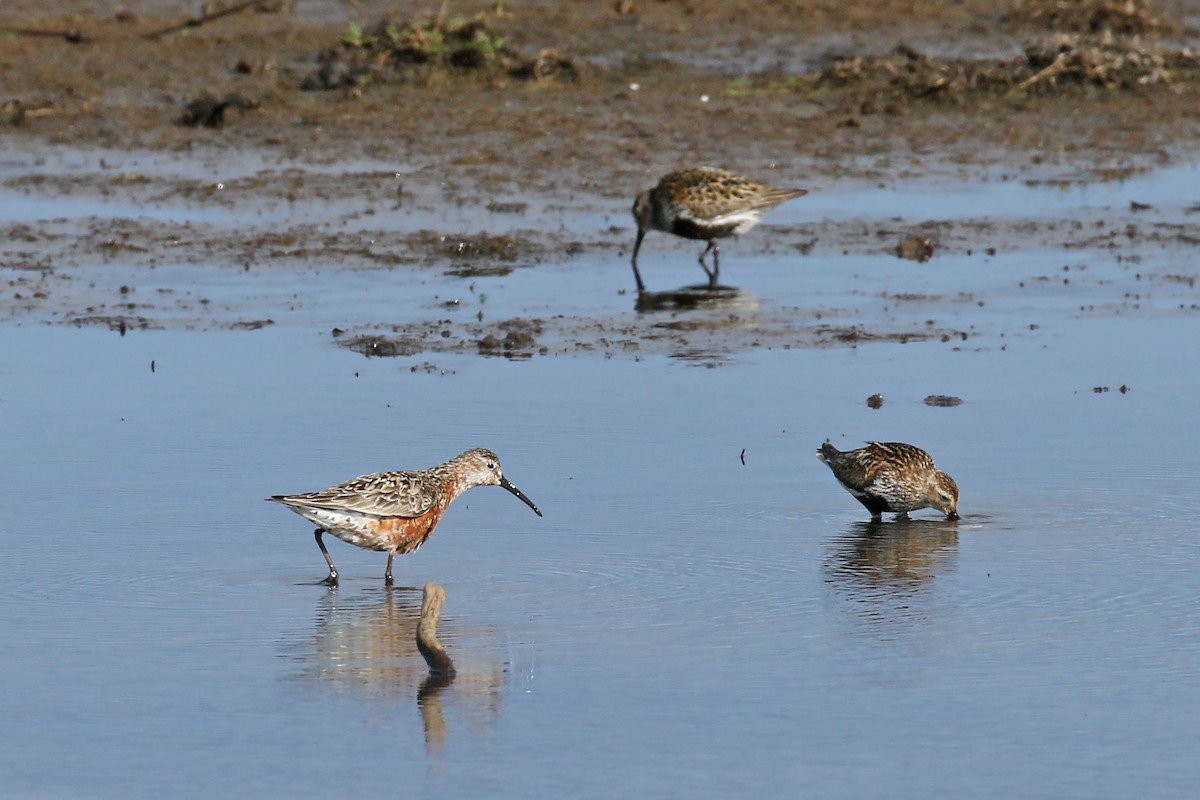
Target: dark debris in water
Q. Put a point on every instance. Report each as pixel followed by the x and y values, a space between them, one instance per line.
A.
pixel 430 368
pixel 855 335
pixel 507 208
pixel 518 341
pixel 875 401
pixel 120 324
pixel 482 245
pixel 480 271
pixel 919 249
pixel 374 345
pixel 475 254
pixel 943 401
pixel 208 110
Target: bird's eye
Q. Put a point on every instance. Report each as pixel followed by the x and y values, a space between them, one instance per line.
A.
pixel 491 465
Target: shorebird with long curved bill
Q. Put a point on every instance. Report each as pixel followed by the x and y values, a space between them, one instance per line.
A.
pixel 395 512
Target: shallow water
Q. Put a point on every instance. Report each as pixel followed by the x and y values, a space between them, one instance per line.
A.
pixel 680 623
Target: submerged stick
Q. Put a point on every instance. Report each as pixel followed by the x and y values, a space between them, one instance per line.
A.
pixel 427 641
pixel 73 35
pixel 1056 68
pixel 196 22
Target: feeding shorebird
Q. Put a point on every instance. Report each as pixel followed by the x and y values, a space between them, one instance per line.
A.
pixel 703 203
pixel 395 511
pixel 892 476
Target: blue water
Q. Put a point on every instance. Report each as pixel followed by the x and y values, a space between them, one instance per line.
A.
pixel 679 624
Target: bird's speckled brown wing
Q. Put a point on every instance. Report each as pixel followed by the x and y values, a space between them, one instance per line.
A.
pixel 863 469
pixel 903 456
pixel 855 469
pixel 705 194
pixel 383 494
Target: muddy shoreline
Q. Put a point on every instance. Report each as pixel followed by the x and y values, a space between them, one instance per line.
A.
pixel 124 197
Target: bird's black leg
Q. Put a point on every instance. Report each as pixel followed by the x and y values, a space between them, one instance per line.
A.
pixel 387 575
pixel 332 580
pixel 716 273
pixel 637 276
pixel 874 505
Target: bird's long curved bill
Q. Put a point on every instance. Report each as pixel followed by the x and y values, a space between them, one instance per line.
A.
pixel 504 482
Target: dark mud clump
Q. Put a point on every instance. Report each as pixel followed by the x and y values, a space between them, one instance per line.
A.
pixel 855 335
pixel 875 401
pixel 919 249
pixel 476 255
pixel 518 340
pixel 250 324
pixel 375 346
pixel 120 324
pixel 416 51
pixel 482 246
pixel 943 401
pixel 208 110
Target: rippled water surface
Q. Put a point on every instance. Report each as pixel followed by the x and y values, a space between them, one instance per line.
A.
pixel 702 612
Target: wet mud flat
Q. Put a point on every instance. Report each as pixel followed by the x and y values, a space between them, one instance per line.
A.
pixel 258 168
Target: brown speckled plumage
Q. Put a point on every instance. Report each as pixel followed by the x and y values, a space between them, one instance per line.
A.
pixel 892 476
pixel 395 511
pixel 703 203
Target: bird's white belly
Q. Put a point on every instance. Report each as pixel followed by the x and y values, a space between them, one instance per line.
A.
pixel 742 220
pixel 349 526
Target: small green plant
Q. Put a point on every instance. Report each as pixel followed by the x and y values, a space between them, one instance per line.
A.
pixel 738 86
pixel 354 35
pixel 486 44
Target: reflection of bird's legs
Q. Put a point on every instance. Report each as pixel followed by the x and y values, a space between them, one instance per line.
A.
pixel 332 579
pixel 716 270
pixel 387 575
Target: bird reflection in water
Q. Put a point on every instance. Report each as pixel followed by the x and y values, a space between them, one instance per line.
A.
pixel 384 642
pixel 701 336
pixel 887 568
pixel 441 668
pixel 688 297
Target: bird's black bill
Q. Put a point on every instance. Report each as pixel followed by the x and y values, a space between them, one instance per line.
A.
pixel 504 482
pixel 952 515
pixel 637 276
